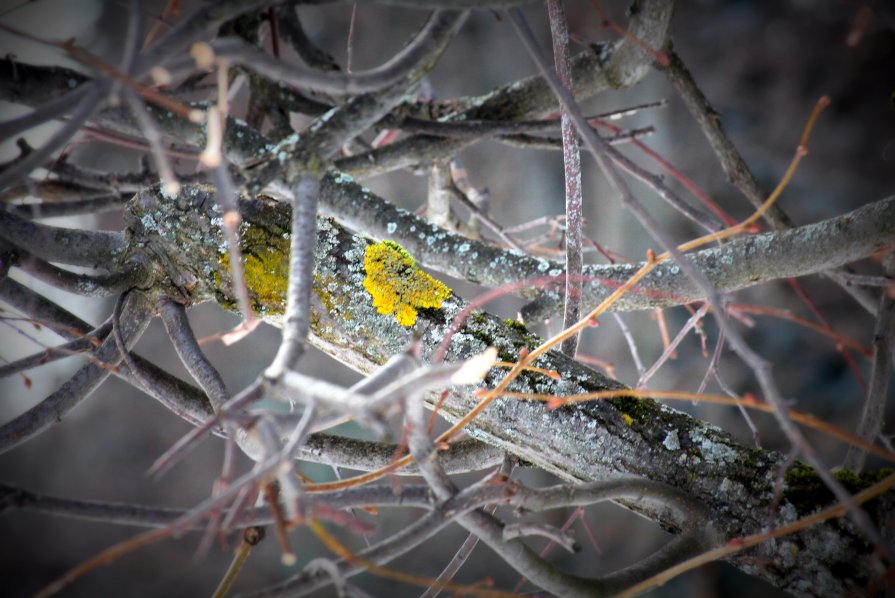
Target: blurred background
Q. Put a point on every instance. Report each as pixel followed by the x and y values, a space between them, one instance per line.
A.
pixel 762 64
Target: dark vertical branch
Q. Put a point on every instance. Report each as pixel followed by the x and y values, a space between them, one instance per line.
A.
pixel 291 28
pixel 880 373
pixel 572 162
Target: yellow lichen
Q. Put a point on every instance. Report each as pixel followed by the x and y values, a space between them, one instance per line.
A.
pixel 397 285
pixel 265 260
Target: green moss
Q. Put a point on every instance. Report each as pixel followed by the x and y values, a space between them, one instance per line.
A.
pixel 482 328
pixel 516 325
pixel 750 459
pixel 401 251
pixel 633 407
pixel 480 334
pixel 808 493
pixel 478 318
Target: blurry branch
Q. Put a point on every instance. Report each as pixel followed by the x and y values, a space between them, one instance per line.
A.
pixel 12 498
pixel 55 108
pixel 179 397
pixel 301 269
pixel 738 172
pixel 880 374
pixel 52 409
pixel 83 110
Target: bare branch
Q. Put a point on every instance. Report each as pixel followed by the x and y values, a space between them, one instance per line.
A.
pixel 400 66
pixel 572 162
pixel 63 245
pixel 731 160
pixel 743 262
pixel 87 106
pixel 53 408
pixel 301 267
pixel 177 325
pixel 881 371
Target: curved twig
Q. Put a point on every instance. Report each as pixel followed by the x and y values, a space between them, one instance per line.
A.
pixel 53 408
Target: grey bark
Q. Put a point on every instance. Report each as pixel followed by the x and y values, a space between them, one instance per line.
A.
pixel 588 441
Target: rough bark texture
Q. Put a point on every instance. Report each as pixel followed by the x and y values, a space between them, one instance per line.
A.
pixel 588 441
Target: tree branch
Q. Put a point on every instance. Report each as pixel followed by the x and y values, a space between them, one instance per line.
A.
pixel 744 262
pixel 587 441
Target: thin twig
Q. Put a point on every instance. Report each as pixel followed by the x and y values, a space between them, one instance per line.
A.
pixel 251 537
pixel 880 372
pixel 694 320
pixel 154 137
pixel 632 344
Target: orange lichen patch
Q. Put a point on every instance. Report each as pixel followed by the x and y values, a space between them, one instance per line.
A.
pixel 397 285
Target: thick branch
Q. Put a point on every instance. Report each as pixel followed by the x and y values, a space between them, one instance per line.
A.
pixel 593 441
pixel 739 264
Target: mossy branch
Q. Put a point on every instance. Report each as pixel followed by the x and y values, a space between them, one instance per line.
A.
pixel 587 441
